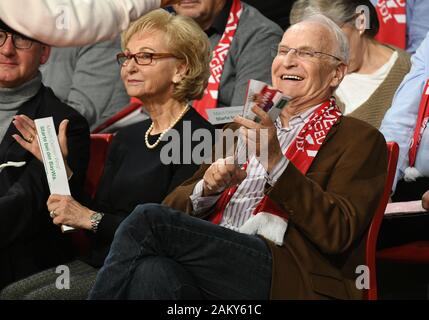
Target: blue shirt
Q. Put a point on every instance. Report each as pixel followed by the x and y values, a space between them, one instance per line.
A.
pixel 417 22
pixel 400 120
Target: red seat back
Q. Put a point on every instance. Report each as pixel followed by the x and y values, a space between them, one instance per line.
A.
pixel 98 152
pixel 416 252
pixel 135 104
pixel 371 241
pixel 99 148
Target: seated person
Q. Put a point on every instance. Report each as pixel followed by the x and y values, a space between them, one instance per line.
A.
pixel 245 56
pixel 29 242
pixel 375 70
pixel 404 123
pixel 165 63
pixel 312 206
pixel 87 79
pixel 234 62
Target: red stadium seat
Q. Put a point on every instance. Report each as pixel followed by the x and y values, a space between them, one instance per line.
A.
pixel 416 252
pixel 371 240
pixel 99 147
pixel 128 115
pixel 98 152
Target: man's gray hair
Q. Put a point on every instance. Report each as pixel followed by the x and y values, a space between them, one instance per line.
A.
pixel 340 37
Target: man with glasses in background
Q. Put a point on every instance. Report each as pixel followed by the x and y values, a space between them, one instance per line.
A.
pixel 29 242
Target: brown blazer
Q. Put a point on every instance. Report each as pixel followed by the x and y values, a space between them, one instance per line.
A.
pixel 329 210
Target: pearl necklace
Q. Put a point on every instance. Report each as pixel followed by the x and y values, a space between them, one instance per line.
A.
pixel 146 137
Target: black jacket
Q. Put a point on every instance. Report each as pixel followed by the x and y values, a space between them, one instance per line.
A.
pixel 29 242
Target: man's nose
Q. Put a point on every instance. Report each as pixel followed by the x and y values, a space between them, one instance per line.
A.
pixel 8 48
pixel 290 59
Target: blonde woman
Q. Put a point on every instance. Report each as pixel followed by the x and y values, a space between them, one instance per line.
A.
pixel 164 63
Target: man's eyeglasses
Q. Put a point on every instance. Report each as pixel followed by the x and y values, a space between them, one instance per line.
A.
pixel 141 58
pixel 304 54
pixel 19 42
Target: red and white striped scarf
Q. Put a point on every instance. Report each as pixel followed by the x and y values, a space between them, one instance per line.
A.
pixel 220 53
pixel 301 153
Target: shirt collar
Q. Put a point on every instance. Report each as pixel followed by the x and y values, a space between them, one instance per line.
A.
pixel 303 117
pixel 219 24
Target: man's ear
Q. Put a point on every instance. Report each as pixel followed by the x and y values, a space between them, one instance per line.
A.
pixel 46 52
pixel 339 73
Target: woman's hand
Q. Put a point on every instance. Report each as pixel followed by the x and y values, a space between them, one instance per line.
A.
pixel 67 211
pixel 29 142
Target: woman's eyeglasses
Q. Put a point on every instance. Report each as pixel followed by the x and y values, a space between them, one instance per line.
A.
pixel 141 58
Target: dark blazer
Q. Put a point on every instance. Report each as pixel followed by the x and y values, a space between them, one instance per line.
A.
pixel 134 174
pixel 330 209
pixel 29 242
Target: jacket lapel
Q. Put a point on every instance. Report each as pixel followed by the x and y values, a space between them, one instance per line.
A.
pixel 333 130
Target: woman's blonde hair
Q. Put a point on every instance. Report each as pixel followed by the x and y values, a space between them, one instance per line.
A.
pixel 186 40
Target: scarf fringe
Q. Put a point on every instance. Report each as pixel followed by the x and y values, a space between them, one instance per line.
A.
pixel 411 174
pixel 270 226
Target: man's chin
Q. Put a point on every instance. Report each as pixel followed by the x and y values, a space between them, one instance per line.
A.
pixel 8 84
pixel 188 9
pixel 291 93
pixel 6 77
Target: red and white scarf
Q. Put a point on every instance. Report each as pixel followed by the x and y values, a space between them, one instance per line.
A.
pixel 392 17
pixel 411 173
pixel 220 52
pixel 301 152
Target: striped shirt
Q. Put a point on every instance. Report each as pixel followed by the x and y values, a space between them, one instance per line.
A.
pixel 251 190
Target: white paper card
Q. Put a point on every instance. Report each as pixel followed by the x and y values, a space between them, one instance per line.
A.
pixel 266 97
pixel 223 115
pixel 403 208
pixel 52 159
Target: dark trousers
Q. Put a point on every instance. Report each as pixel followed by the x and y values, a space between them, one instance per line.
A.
pixel 398 230
pixel 161 253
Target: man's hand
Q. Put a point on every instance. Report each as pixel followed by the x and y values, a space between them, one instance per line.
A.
pixel 166 3
pixel 425 200
pixel 221 175
pixel 269 155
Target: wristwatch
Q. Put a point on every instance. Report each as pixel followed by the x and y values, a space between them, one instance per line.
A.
pixel 95 220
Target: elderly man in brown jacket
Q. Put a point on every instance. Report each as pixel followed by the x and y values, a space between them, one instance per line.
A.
pixel 291 225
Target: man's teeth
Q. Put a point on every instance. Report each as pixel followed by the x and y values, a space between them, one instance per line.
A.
pixel 288 77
